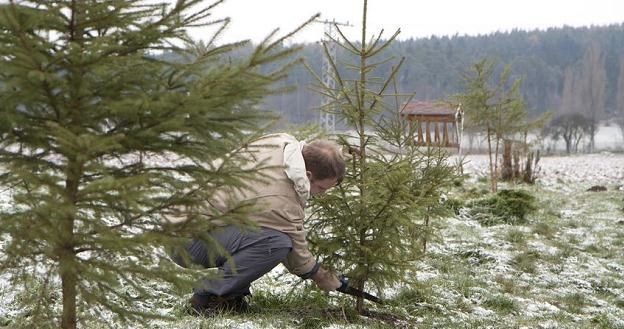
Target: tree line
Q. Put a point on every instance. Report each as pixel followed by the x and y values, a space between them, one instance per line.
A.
pixel 563 70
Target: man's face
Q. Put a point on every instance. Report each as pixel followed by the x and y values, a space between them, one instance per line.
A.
pixel 320 186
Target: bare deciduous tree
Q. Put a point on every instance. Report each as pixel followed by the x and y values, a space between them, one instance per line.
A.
pixel 571 128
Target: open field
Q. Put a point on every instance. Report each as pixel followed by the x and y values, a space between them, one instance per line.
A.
pixel 562 268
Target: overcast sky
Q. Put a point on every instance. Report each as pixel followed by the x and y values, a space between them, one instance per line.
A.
pixel 254 19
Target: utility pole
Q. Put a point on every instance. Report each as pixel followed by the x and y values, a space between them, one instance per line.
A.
pixel 327 119
pixel 459 131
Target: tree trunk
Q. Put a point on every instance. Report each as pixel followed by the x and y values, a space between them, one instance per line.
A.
pixel 528 170
pixel 568 142
pixel 592 137
pixel 516 165
pixel 426 230
pixel 65 249
pixel 68 278
pixel 576 143
pixel 495 172
pixel 530 175
pixel 67 270
pixel 507 169
pixel 359 301
pixel 492 181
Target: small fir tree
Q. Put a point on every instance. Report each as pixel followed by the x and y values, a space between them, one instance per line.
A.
pixel 100 140
pixel 369 227
pixel 495 108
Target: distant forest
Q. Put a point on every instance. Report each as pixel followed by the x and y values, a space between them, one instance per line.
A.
pixel 564 70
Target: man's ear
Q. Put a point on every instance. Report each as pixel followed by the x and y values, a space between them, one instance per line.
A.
pixel 309 174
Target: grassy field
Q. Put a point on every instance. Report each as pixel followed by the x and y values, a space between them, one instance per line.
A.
pixel 563 267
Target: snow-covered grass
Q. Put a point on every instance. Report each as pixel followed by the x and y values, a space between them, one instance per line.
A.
pixel 563 268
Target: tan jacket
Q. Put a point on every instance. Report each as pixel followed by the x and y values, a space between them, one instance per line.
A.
pixel 279 206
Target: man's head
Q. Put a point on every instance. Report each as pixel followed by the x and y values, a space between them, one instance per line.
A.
pixel 325 166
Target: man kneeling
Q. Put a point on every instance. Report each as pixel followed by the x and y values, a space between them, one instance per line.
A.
pixel 292 172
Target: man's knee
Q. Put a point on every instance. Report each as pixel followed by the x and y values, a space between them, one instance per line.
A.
pixel 195 253
pixel 179 256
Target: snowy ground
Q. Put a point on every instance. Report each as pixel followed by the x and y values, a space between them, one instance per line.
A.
pixel 565 268
pixel 562 269
pixel 566 171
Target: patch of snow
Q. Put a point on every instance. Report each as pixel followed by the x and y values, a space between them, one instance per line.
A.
pixel 482 312
pixel 549 324
pixel 532 308
pixel 542 248
pixel 567 214
pixel 425 276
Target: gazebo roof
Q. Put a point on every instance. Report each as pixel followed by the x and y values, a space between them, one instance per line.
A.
pixel 428 108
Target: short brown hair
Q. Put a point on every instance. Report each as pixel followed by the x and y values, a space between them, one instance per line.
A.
pixel 324 160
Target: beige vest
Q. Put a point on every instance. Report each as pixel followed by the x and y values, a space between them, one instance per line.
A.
pixel 276 200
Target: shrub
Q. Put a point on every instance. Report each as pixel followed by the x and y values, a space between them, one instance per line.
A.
pixel 501 304
pixel 544 229
pixel 509 286
pixel 516 237
pixel 574 302
pixel 505 207
pixel 526 261
pixel 476 257
pixel 454 205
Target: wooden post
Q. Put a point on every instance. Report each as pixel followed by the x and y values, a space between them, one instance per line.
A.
pixel 452 134
pixel 428 133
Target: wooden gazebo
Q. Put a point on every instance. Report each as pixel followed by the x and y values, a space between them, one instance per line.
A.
pixel 438 124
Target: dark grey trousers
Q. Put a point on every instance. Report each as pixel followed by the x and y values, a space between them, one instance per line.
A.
pixel 253 253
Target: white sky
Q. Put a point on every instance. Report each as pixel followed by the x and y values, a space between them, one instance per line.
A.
pixel 254 19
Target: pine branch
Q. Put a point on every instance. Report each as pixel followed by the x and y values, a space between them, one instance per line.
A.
pixel 387 83
pixel 351 48
pixel 385 44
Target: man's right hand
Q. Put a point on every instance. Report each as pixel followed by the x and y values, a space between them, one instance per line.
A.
pixel 326 280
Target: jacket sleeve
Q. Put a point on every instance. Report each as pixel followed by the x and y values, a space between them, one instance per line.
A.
pixel 300 260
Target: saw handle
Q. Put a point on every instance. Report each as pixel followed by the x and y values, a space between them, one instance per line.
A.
pixel 344 283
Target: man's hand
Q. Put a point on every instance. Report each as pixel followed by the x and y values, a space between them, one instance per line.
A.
pixel 326 280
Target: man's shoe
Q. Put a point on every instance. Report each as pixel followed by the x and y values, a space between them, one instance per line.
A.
pixel 209 305
pixel 205 305
pixel 238 304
